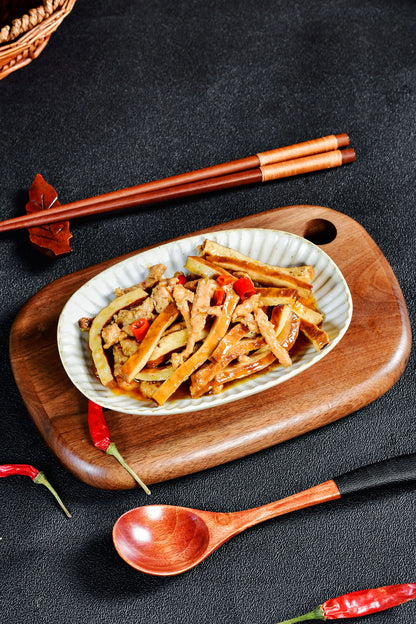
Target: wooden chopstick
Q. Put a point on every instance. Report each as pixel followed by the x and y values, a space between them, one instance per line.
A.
pixel 126 198
pixel 281 154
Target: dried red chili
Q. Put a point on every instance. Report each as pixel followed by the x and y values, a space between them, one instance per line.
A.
pixel 359 603
pixel 7 470
pixel 140 328
pixel 100 436
pixel 244 288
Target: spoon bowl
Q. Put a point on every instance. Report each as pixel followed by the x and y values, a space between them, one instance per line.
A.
pixel 161 539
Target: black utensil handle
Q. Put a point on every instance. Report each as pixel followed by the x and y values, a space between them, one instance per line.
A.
pixel 395 471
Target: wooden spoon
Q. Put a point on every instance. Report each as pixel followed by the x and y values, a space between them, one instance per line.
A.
pixel 164 540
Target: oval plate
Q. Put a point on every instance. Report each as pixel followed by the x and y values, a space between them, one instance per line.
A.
pixel 273 247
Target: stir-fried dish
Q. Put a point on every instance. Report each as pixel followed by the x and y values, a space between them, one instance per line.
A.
pixel 224 318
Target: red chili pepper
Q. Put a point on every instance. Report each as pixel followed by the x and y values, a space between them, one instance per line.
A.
pixel 359 603
pixel 222 280
pixel 181 279
pixel 219 296
pixel 140 328
pixel 100 436
pixel 7 470
pixel 244 288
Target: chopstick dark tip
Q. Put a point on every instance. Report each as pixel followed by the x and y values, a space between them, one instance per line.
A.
pixel 348 156
pixel 342 139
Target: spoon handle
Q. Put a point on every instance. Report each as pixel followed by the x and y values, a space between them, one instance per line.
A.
pixel 391 472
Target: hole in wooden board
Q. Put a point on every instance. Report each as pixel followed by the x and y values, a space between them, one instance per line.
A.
pixel 320 231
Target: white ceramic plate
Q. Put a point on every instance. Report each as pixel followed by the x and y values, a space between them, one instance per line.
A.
pixel 271 246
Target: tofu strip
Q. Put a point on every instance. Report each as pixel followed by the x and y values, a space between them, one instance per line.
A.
pixel 95 339
pixel 138 360
pixel 229 341
pixel 210 248
pixel 201 379
pixel 277 296
pixel 318 337
pixel 258 271
pixel 199 266
pixel 154 374
pixel 268 332
pixel 170 342
pixel 289 334
pixel 284 324
pixel 238 371
pixel 263 357
pixel 183 372
pixel 264 274
pixel 307 314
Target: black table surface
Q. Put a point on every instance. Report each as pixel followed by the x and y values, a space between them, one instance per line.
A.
pixel 127 92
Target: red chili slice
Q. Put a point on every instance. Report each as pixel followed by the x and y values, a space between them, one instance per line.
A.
pixel 219 296
pixel 222 280
pixel 140 328
pixel 244 288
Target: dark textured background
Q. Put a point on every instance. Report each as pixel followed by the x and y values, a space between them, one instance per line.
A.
pixel 130 91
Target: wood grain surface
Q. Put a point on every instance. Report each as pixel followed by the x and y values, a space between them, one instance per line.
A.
pixel 366 363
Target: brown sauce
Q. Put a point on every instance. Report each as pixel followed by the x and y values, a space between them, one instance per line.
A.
pixel 183 391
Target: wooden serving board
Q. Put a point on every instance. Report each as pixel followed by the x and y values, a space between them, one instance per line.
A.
pixel 365 364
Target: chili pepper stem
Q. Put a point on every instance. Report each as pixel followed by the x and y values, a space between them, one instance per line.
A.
pixel 112 450
pixel 316 614
pixel 40 478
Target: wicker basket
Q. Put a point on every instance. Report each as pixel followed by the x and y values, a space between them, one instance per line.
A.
pixel 25 28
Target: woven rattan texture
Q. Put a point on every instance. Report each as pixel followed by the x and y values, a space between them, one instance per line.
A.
pixel 24 38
